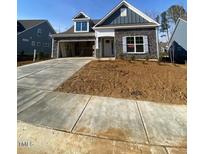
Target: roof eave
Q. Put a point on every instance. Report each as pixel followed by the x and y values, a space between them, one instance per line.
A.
pixel 73 35
pixel 126 27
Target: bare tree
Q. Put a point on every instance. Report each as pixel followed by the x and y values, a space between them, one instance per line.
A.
pixel 175 12
pixel 165 23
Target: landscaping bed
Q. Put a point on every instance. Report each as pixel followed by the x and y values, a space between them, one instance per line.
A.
pixel 141 80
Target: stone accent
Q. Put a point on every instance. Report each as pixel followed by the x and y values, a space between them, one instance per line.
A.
pixel 150 32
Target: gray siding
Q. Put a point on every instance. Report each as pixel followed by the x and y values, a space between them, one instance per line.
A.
pixel 131 18
pixel 149 32
pixel 31 35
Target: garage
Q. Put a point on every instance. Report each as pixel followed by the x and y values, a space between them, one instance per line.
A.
pixel 76 48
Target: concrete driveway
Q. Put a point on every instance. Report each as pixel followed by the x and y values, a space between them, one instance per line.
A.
pixel 48 75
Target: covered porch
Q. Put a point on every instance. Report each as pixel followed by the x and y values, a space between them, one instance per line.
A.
pixel 106 47
pixel 105 43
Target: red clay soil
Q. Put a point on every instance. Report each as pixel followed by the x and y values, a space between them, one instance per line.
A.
pixel 164 83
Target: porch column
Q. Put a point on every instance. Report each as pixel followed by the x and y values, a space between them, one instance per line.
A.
pixel 96 43
pixel 96 47
pixel 52 48
pixel 58 48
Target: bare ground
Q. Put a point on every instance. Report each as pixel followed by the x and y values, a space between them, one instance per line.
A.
pixel 164 83
pixel 26 62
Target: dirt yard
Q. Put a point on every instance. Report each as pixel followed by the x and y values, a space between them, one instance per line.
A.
pixel 21 63
pixel 164 83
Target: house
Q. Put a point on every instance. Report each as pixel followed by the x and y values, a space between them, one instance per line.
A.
pixel 124 31
pixel 34 34
pixel 163 46
pixel 177 46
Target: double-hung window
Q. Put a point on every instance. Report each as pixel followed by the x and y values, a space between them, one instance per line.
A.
pixel 135 44
pixel 81 26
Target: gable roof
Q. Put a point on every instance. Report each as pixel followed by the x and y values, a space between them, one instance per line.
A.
pixel 24 25
pixel 29 23
pixel 81 15
pixel 180 30
pixel 131 8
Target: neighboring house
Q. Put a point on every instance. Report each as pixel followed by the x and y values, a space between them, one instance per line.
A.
pixel 163 46
pixel 34 34
pixel 178 42
pixel 124 31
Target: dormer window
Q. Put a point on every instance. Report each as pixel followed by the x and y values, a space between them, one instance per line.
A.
pixel 123 12
pixel 81 26
pixel 81 22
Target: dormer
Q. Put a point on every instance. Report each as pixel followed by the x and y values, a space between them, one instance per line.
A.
pixel 81 23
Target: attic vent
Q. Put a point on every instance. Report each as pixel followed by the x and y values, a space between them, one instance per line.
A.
pixel 123 12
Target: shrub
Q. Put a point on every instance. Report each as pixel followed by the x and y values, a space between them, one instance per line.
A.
pixel 147 58
pixel 133 58
pixel 121 56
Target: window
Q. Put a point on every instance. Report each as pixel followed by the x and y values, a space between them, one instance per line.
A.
pixel 46 44
pixel 84 26
pixel 33 43
pixel 39 32
pixel 81 26
pixel 135 44
pixel 123 12
pixel 38 43
pixel 139 44
pixel 130 44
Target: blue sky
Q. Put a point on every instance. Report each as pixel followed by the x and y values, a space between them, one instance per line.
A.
pixel 60 12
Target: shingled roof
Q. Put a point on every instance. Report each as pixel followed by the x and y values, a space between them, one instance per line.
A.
pixel 26 24
pixel 71 30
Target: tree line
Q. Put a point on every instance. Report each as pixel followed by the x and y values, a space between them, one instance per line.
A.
pixel 169 17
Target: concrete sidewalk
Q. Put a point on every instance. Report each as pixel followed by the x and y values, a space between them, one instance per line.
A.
pixel 34 140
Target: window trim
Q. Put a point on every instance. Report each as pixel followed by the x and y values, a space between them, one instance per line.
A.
pixel 38 44
pixel 135 45
pixel 45 44
pixel 33 43
pixel 82 31
pixel 39 32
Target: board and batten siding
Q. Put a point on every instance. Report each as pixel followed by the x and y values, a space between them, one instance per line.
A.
pixel 131 18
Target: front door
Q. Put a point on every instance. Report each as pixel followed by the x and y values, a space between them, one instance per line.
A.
pixel 108 47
